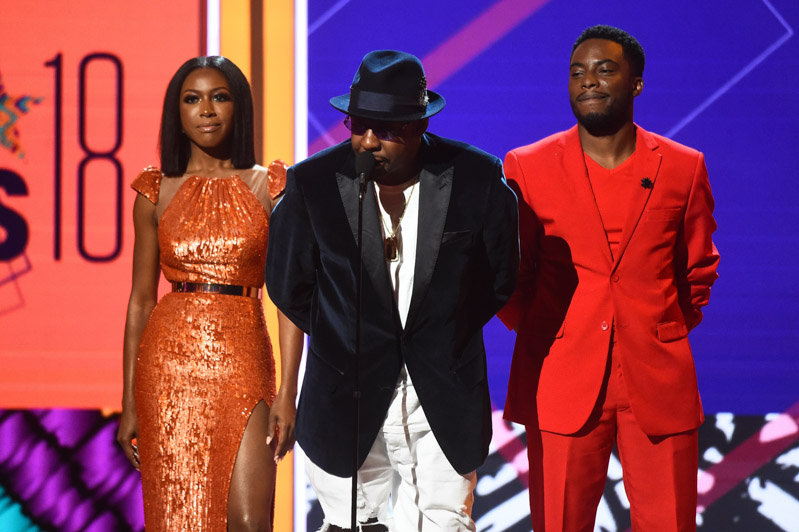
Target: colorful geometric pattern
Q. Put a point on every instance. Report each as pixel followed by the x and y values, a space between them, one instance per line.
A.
pixel 62 470
pixel 765 498
pixel 11 109
pixel 11 297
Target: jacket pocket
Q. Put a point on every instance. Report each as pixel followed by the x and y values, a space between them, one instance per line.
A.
pixel 671 330
pixel 322 372
pixel 451 236
pixel 661 215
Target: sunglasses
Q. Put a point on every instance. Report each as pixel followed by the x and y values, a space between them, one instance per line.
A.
pixel 382 130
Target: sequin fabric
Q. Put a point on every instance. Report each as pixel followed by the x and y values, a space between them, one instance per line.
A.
pixel 276 177
pixel 205 360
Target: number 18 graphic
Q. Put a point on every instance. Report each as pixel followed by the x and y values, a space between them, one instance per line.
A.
pixel 89 155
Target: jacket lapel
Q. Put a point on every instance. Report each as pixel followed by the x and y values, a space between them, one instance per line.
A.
pixel 585 206
pixel 434 193
pixel 374 264
pixel 646 165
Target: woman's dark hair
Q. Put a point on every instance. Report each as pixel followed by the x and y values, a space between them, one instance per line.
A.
pixel 174 146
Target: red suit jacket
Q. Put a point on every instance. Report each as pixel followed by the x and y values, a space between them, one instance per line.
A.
pixel 571 293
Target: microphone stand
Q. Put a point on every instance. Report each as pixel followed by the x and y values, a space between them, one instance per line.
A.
pixel 364 163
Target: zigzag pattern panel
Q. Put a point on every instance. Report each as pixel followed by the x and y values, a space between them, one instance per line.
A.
pixel 65 472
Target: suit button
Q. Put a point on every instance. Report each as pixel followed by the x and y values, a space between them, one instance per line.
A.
pixel 604 326
pixel 615 278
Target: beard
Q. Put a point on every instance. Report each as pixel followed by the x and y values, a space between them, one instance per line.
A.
pixel 609 121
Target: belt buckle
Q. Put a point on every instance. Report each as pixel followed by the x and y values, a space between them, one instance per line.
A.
pixel 179 286
pixel 212 288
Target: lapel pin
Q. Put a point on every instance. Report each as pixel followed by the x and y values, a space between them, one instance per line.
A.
pixel 646 182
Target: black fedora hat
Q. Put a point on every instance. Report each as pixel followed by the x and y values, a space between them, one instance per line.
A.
pixel 389 86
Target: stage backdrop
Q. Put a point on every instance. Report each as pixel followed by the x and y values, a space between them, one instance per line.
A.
pixel 81 89
pixel 80 92
pixel 81 84
pixel 720 77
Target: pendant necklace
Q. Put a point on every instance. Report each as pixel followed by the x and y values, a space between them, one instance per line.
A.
pixel 390 244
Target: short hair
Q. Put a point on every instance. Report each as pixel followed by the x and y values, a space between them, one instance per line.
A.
pixel 174 146
pixel 633 51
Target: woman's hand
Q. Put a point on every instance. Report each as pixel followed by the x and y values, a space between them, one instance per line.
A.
pixel 281 424
pixel 128 431
pixel 143 295
pixel 283 411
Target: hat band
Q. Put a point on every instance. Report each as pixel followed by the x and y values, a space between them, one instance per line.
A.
pixel 383 103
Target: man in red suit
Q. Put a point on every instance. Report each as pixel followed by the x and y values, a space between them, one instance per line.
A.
pixel 617 261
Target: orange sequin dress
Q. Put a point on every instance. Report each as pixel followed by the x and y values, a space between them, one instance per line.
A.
pixel 205 360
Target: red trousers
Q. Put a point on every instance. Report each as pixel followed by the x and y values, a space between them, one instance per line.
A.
pixel 568 472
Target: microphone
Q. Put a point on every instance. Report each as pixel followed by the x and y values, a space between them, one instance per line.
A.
pixel 364 164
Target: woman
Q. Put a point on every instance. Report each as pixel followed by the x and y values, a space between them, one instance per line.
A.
pixel 198 369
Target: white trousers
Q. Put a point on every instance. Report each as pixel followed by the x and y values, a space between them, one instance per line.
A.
pixel 427 493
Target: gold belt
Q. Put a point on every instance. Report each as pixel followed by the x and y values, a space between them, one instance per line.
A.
pixel 214 288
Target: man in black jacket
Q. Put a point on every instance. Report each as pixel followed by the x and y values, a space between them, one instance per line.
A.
pixel 440 257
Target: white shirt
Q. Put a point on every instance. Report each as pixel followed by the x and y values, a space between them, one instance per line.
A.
pixel 405 411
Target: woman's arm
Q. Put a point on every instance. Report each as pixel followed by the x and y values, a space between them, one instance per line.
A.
pixel 143 297
pixel 281 415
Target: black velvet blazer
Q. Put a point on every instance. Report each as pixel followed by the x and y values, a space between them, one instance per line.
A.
pixel 466 263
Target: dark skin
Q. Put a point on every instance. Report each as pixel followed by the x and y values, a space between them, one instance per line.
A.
pixel 281 417
pixel 601 91
pixel 397 160
pixel 397 165
pixel 206 111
